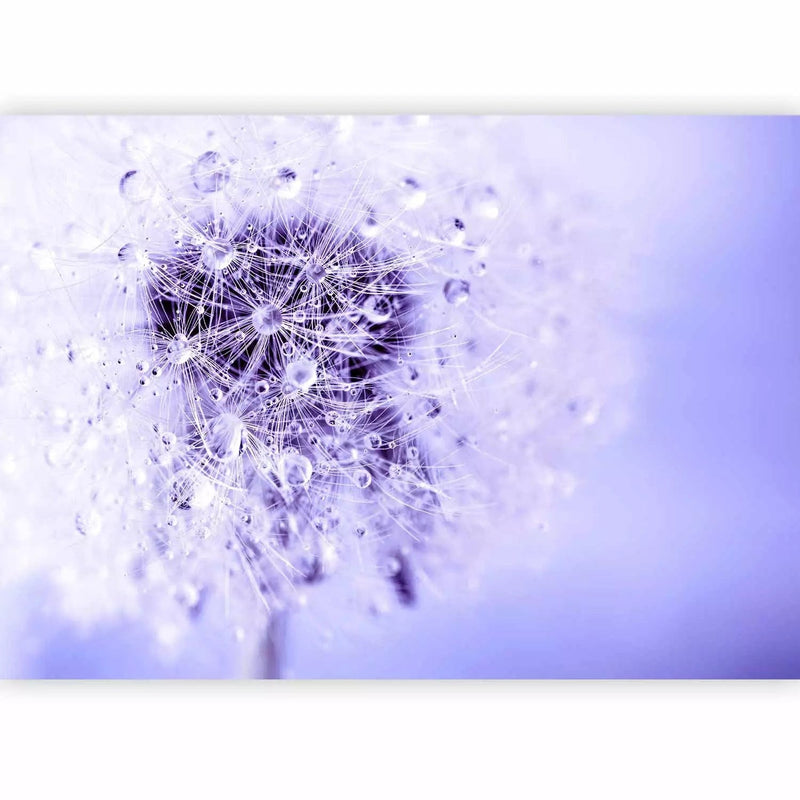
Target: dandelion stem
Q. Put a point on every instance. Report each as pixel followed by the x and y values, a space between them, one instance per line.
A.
pixel 269 661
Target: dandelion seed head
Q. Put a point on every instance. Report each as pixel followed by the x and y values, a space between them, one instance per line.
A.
pixel 294 352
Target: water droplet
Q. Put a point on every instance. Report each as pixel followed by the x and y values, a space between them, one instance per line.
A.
pixel 433 407
pixel 190 489
pixel 136 187
pixel 484 202
pixel 452 231
pixel 456 291
pixel 413 194
pixel 301 374
pixel 369 227
pixel 188 595
pixel 88 524
pixel 179 350
pixel 377 309
pixel 295 469
pixel 217 254
pixel 133 256
pixel 224 437
pixel 316 270
pixel 362 478
pixel 286 183
pixel 331 418
pixel 267 319
pixel 211 172
pixel 373 441
pixel 478 268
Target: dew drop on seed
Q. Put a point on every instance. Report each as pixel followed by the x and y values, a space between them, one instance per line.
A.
pixel 456 291
pixel 369 227
pixel 414 195
pixel 211 172
pixel 451 231
pixel 179 350
pixel 267 319
pixel 316 270
pixel 478 268
pixel 347 455
pixel 285 183
pixel 136 187
pixel 373 441
pixel 88 524
pixel 188 595
pixel 217 254
pixel 301 374
pixel 132 256
pixel 224 437
pixel 191 490
pixel 484 202
pixel 432 407
pixel 362 478
pixel 295 469
pixel 377 309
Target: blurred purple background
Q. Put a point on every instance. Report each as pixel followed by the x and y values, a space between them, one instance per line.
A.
pixel 679 554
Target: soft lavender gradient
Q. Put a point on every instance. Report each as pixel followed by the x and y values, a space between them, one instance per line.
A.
pixel 679 555
pixel 680 552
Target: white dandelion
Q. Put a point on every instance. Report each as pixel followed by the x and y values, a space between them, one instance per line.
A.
pixel 248 355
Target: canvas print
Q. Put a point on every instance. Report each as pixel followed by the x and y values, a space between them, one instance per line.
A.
pixel 399 397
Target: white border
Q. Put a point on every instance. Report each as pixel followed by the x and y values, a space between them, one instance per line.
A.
pixel 385 740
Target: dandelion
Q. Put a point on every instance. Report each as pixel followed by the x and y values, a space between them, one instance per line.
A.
pixel 251 355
